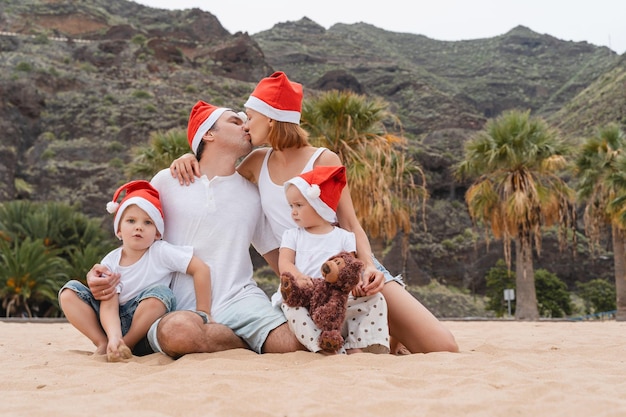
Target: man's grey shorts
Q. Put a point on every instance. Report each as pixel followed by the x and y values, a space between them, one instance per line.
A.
pixel 252 318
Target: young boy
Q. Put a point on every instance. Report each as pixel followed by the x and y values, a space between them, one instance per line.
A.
pixel 313 197
pixel 145 264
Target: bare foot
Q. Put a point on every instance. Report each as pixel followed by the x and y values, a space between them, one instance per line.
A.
pixel 400 349
pixel 397 348
pixel 119 352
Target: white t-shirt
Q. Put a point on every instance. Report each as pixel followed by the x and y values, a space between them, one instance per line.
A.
pixel 312 250
pixel 219 218
pixel 156 266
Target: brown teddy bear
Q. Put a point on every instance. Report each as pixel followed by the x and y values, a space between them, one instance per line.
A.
pixel 326 299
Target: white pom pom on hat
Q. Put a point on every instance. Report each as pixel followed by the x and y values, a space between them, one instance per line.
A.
pixel 112 206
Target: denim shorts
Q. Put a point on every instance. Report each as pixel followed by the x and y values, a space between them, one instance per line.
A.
pixel 388 277
pixel 251 318
pixel 161 292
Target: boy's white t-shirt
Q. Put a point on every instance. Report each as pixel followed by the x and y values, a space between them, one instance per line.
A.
pixel 156 266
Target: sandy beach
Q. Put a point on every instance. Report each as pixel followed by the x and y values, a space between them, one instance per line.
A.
pixel 505 368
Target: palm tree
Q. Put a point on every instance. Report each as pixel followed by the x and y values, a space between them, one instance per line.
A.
pixel 41 246
pixel 158 154
pixel 600 171
pixel 380 176
pixel 514 163
pixel 31 273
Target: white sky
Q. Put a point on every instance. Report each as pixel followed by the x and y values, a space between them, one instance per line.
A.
pixel 599 22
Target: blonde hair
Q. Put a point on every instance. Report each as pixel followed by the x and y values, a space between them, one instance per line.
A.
pixel 284 135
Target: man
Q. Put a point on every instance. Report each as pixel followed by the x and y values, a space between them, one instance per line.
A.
pixel 219 215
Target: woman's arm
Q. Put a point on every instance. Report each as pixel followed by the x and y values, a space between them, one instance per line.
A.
pixel 373 279
pixel 185 168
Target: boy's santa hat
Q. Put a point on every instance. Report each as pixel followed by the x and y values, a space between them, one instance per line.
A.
pixel 277 98
pixel 322 188
pixel 202 118
pixel 142 194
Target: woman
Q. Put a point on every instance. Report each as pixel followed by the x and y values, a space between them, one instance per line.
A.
pixel 273 112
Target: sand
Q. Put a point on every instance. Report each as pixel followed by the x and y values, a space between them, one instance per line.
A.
pixel 504 368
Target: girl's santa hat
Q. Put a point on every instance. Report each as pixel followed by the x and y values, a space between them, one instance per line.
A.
pixel 142 194
pixel 277 98
pixel 322 188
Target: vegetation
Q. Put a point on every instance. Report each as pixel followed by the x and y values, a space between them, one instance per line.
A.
pixel 553 297
pixel 43 245
pixel 380 174
pixel 158 154
pixel 514 163
pixel 113 88
pixel 598 295
pixel 499 278
pixel 600 169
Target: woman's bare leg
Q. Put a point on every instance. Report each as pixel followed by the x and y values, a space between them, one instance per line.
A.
pixel 412 325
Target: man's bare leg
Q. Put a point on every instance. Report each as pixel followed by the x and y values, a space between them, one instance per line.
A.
pixel 281 340
pixel 183 332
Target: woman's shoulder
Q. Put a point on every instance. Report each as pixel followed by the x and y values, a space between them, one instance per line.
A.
pixel 328 157
pixel 250 167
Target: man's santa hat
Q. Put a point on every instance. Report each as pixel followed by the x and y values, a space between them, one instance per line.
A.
pixel 277 98
pixel 142 194
pixel 322 188
pixel 202 118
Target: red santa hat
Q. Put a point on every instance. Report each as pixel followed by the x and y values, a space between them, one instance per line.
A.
pixel 277 98
pixel 322 188
pixel 202 118
pixel 142 194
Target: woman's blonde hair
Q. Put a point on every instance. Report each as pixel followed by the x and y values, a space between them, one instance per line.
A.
pixel 284 135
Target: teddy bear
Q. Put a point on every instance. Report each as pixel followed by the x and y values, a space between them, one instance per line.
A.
pixel 326 299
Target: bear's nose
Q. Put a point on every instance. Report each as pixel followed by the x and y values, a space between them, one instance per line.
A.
pixel 325 268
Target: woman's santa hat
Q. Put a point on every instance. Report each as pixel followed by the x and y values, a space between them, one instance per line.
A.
pixel 142 194
pixel 202 118
pixel 277 98
pixel 322 188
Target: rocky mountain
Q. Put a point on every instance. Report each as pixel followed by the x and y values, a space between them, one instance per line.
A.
pixel 83 81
